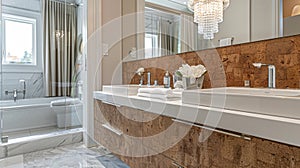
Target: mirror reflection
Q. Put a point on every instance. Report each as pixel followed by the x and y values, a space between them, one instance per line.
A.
pixel 169 26
pixel 161 32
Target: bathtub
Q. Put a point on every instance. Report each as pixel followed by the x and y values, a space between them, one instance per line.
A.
pixel 27 114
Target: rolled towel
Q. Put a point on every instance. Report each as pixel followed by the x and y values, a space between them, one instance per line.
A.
pixel 169 97
pixel 161 91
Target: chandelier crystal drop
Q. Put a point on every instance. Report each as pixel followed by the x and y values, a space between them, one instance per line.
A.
pixel 208 14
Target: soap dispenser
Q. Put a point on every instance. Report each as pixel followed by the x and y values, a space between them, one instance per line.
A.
pixel 167 80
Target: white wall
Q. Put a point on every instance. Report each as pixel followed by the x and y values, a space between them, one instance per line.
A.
pixel 129 9
pixel 34 5
pixel 112 36
pixel 264 22
pixel 236 23
pixel 103 26
pixel 291 25
pixel 249 20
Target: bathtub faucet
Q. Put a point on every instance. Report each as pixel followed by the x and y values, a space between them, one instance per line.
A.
pixel 22 81
pixel 15 93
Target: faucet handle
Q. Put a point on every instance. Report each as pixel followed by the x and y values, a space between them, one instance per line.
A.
pixel 258 64
pixel 22 81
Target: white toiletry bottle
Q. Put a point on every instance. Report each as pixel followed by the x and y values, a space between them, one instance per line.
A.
pixel 167 80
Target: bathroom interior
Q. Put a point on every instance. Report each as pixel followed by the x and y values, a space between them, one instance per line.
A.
pixel 72 78
pixel 41 65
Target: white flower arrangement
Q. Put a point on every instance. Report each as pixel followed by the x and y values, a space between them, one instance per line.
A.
pixel 187 71
pixel 190 77
pixel 140 71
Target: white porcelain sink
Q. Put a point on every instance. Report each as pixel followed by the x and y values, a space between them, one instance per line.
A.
pixel 126 90
pixel 277 102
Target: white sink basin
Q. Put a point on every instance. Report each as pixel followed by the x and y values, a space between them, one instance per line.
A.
pixel 277 102
pixel 125 90
pixel 121 89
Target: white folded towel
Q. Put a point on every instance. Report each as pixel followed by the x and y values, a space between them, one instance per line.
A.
pixel 161 91
pixel 168 97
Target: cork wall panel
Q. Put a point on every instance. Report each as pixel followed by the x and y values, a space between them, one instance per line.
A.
pixel 230 66
pixel 191 150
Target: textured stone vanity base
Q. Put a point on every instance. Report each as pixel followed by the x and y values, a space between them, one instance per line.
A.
pixel 219 150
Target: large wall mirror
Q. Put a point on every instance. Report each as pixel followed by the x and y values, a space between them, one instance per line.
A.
pixel 166 27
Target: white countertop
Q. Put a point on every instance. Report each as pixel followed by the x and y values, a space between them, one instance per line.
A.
pixel 279 129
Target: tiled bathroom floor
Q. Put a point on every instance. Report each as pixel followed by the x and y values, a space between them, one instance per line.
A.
pixel 71 156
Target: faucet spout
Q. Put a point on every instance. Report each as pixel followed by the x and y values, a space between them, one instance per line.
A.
pixel 148 79
pixel 271 73
pixel 272 76
pixel 15 93
pixel 22 81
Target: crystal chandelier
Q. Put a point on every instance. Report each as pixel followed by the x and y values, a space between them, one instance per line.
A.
pixel 208 14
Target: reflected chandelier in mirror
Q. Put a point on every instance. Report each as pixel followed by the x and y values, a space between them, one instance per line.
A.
pixel 208 14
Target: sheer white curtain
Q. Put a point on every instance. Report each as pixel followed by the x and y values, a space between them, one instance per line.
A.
pixel 188 33
pixel 162 30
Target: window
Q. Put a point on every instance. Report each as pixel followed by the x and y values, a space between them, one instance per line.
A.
pixel 151 45
pixel 19 37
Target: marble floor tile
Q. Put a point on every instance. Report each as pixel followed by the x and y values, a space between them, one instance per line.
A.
pixel 12 162
pixel 112 161
pixel 68 156
pixel 71 156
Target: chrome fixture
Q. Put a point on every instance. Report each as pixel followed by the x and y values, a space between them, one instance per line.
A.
pixel 148 78
pixel 22 81
pixel 140 72
pixel 4 139
pixel 271 73
pixel 15 92
pixel 155 83
pixel 141 81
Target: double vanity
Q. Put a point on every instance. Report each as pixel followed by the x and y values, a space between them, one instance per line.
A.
pixel 243 125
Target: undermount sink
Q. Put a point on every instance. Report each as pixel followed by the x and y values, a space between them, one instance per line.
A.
pixel 277 102
pixel 125 90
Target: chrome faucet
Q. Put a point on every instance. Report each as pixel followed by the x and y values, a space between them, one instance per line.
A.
pixel 15 93
pixel 271 73
pixel 22 81
pixel 148 78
